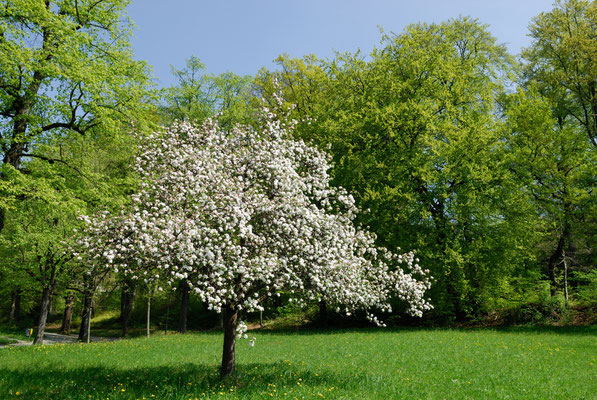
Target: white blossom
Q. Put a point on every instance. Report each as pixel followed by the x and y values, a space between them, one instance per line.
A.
pixel 243 215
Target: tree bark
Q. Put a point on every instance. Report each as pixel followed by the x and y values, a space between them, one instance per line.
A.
pixel 148 313
pixel 51 305
pixel 228 363
pixel 43 315
pixel 69 302
pixel 127 300
pixel 15 306
pixel 184 307
pixel 565 277
pixel 22 106
pixel 85 318
pixel 553 262
pixel 88 328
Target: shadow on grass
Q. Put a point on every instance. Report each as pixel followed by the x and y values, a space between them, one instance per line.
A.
pixel 165 382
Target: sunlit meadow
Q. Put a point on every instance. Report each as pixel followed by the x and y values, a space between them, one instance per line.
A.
pixel 356 364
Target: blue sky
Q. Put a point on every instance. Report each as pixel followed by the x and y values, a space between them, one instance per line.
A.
pixel 242 36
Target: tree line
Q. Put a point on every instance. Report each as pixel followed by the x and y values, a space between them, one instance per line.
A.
pixel 482 161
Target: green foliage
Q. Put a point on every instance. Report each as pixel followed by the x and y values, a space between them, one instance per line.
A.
pixel 199 95
pixel 66 66
pixel 559 157
pixel 586 294
pixel 415 133
pixel 70 96
pixel 562 58
pixel 485 166
pixel 486 171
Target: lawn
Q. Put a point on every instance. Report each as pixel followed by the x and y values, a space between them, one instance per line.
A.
pixel 354 364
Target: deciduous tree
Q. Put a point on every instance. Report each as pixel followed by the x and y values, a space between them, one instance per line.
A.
pixel 245 214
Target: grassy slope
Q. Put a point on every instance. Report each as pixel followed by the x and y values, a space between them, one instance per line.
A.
pixel 358 364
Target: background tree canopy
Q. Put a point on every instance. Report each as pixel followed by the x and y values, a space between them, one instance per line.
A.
pixel 483 162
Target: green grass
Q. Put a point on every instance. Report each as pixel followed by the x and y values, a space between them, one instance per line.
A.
pixel 7 340
pixel 357 364
pixel 10 335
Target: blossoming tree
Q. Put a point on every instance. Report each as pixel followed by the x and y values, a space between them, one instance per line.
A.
pixel 245 214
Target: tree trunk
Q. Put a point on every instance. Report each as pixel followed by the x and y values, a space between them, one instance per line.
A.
pixel 17 315
pixel 565 276
pixel 15 306
pixel 230 318
pixel 184 307
pixel 148 313
pixel 51 305
pixel 323 313
pixel 85 318
pixel 127 300
pixel 553 262
pixel 88 328
pixel 43 315
pixel 69 302
pixel 22 110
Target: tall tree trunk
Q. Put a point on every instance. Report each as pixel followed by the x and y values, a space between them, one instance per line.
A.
pixel 565 261
pixel 553 262
pixel 184 307
pixel 230 318
pixel 22 110
pixel 15 306
pixel 69 302
pixel 17 315
pixel 85 318
pixel 148 313
pixel 43 315
pixel 51 305
pixel 127 301
pixel 88 328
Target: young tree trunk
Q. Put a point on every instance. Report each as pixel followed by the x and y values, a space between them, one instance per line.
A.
pixel 89 323
pixel 184 307
pixel 148 313
pixel 85 318
pixel 17 315
pixel 127 300
pixel 220 321
pixel 43 315
pixel 11 311
pixel 15 306
pixel 565 276
pixel 69 302
pixel 323 313
pixel 230 318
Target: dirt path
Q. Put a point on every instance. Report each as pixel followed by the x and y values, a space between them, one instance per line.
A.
pixel 55 338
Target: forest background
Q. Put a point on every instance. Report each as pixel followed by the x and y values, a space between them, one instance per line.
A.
pixel 483 162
